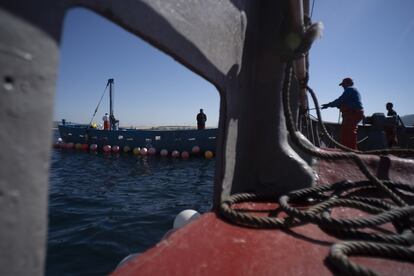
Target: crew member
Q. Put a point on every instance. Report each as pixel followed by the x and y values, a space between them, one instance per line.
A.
pixel 391 131
pixel 352 112
pixel 113 122
pixel 105 119
pixel 201 120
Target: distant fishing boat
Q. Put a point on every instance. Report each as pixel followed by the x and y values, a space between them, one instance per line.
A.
pixel 167 138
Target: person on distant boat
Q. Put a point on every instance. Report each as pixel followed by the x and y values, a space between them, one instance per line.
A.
pixel 391 131
pixel 113 122
pixel 391 111
pixel 201 120
pixel 352 112
pixel 105 119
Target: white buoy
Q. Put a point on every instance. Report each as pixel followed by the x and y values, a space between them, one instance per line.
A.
pixel 59 140
pixel 185 217
pixel 143 151
pixel 128 258
pixel 164 152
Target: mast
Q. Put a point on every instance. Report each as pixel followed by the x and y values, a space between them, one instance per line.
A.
pixel 111 99
pixel 111 96
pixel 299 9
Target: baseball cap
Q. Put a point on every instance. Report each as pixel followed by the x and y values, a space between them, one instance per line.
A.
pixel 347 81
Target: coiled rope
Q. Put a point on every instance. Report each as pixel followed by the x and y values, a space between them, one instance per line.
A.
pixel 392 209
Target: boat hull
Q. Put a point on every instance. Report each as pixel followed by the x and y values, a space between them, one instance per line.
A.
pixel 212 246
pixel 178 139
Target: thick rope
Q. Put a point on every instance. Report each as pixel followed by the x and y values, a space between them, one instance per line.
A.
pixel 339 145
pixel 325 154
pixel 320 200
pixel 338 256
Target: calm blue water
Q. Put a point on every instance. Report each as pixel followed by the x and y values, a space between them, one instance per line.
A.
pixel 102 208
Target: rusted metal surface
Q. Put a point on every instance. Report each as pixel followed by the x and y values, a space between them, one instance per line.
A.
pixel 210 246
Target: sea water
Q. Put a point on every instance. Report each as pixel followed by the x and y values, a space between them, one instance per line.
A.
pixel 105 207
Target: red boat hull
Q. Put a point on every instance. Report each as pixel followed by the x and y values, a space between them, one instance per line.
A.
pixel 212 246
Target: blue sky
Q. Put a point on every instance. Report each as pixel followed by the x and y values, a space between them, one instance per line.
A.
pixel 151 88
pixel 369 40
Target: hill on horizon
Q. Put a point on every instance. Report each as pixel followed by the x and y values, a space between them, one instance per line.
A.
pixel 408 119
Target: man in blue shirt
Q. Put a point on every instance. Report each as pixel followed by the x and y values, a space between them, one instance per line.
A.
pixel 352 112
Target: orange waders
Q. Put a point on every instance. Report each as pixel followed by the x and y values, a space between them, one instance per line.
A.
pixel 350 120
pixel 391 134
pixel 106 124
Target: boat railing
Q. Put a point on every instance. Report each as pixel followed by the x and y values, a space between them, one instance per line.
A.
pixel 71 124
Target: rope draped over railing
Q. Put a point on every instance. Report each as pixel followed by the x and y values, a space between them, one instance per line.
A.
pixel 333 141
pixel 325 154
pixel 321 199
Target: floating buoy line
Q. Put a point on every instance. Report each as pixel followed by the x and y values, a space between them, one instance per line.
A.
pixel 137 151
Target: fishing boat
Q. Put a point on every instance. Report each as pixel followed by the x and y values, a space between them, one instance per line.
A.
pixel 282 206
pixel 159 138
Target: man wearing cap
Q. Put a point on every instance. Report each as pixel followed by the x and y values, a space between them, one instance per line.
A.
pixel 352 112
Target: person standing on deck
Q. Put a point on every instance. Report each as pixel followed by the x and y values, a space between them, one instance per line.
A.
pixel 201 120
pixel 105 119
pixel 391 131
pixel 352 112
pixel 391 111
